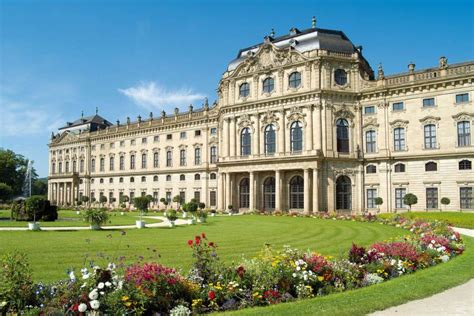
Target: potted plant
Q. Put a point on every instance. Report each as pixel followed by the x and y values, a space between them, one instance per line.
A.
pixel 230 207
pixel 123 199
pixel 192 208
pixel 410 199
pixel 96 217
pixel 33 205
pixel 141 203
pixel 172 216
pixel 102 200
pixel 84 200
pixel 213 212
pixel 202 216
pixel 378 201
pixel 177 200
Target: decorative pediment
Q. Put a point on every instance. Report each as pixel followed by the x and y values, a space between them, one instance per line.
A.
pixel 344 112
pixel 430 119
pixel 295 115
pixel 245 122
pixel 183 146
pixel 270 118
pixel 213 140
pixel 399 123
pixel 370 122
pixel 268 56
pixel 463 116
pixel 66 137
pixel 197 145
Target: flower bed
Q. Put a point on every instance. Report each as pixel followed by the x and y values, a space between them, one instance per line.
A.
pixel 272 277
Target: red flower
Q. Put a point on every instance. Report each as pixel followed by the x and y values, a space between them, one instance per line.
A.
pixel 190 243
pixel 198 240
pixel 211 244
pixel 212 295
pixel 203 235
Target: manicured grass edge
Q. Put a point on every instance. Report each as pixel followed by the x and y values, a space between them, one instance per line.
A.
pixel 395 292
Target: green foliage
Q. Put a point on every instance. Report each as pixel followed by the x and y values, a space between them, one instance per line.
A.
pixel 6 192
pixel 96 217
pixel 445 201
pixel 102 199
pixel 172 215
pixel 39 186
pixel 191 206
pixel 378 201
pixel 410 199
pixel 34 208
pixel 202 205
pixel 141 203
pixel 150 198
pixel 177 199
pixel 13 169
pixel 84 199
pixel 34 205
pixel 16 284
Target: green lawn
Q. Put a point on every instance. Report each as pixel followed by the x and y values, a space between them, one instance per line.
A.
pixel 421 284
pixel 456 219
pixel 70 218
pixel 51 253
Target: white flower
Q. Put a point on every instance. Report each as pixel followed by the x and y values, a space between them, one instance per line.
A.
pixel 294 275
pixel 433 242
pixel 2 304
pixel 94 294
pixel 102 293
pixel 108 284
pixel 444 258
pixel 298 268
pixel 111 266
pixel 95 304
pixel 101 285
pixel 82 308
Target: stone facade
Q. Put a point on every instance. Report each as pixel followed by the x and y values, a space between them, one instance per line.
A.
pixel 301 123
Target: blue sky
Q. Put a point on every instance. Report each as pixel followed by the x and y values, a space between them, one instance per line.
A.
pixel 58 58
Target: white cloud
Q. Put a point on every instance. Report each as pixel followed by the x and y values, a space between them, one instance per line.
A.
pixel 151 95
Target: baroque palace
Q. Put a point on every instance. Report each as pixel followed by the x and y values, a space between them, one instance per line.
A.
pixel 301 123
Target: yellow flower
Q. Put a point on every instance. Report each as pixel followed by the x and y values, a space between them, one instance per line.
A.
pixel 128 304
pixel 320 278
pixel 255 294
pixel 125 298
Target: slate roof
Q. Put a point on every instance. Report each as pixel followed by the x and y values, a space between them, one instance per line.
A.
pixel 95 120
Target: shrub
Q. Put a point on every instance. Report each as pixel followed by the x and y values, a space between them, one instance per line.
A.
pixel 34 208
pixel 6 192
pixel 410 199
pixel 202 213
pixel 172 215
pixel 16 284
pixel 445 201
pixel 96 217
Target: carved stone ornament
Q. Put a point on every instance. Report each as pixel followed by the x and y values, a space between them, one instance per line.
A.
pixel 370 122
pixel 245 122
pixel 344 112
pixel 295 115
pixel 443 62
pixel 269 118
pixel 430 119
pixel 399 123
pixel 463 116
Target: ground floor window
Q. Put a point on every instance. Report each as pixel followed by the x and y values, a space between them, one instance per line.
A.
pixel 244 193
pixel 466 198
pixel 155 197
pixel 269 194
pixel 197 196
pixel 168 197
pixel 297 192
pixel 371 195
pixel 343 193
pixel 213 198
pixel 182 196
pixel 399 194
pixel 431 198
pixel 111 197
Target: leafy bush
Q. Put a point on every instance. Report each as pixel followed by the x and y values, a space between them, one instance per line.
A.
pixel 96 217
pixel 6 192
pixel 172 215
pixel 410 199
pixel 34 208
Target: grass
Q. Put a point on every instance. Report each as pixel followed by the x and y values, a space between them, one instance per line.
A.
pixel 70 218
pixel 51 253
pixel 457 219
pixel 366 300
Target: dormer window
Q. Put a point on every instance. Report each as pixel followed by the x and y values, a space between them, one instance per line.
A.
pixel 340 77
pixel 244 90
pixel 294 81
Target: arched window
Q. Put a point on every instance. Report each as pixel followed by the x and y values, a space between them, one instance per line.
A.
pixel 270 139
pixel 340 77
pixel 143 161
pixel 53 168
pixel 182 177
pixel 197 176
pixel 156 160
pixel 121 180
pixel 132 179
pixel 169 160
pixel 268 85
pixel 143 179
pixel 294 80
pixel 465 165
pixel 168 177
pixel 132 161
pixel 245 142
pixel 102 164
pixel 122 163
pixel 371 169
pixel 244 90
pixel 464 134
pixel 60 166
pixel 430 136
pixel 269 194
pixel 213 176
pixel 74 166
pixel 399 139
pixel 155 178
pixel 67 167
pixel 342 135
pixel 182 157
pixel 296 137
pixel 111 163
pixel 400 167
pixel 431 166
pixel 297 192
pixel 81 165
pixel 370 142
pixel 343 193
pixel 101 180
pixel 92 166
pixel 244 193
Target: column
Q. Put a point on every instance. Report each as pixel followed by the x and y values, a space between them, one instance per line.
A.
pixel 49 191
pixel 307 186
pixel 324 131
pixel 315 190
pixel 228 200
pixel 56 193
pixel 281 136
pixel 256 138
pixel 318 128
pixel 62 193
pixel 224 141
pixel 251 191
pixel 220 191
pixel 309 129
pixel 232 137
pixel 277 190
pixel 205 193
pixel 228 138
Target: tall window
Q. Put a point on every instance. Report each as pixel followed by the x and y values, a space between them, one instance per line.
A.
pixel 464 134
pixel 244 90
pixel 297 192
pixel 53 168
pixel 343 193
pixel 122 163
pixel 296 137
pixel 111 163
pixel 294 81
pixel 132 161
pixel 197 196
pixel 182 196
pixel 370 142
pixel 399 195
pixel 60 166
pixel 67 167
pixel 197 156
pixel 431 198
pixel 169 160
pixel 156 160
pixel 244 193
pixel 182 157
pixel 245 142
pixel 92 165
pixel 81 165
pixel 430 136
pixel 268 85
pixel 399 138
pixel 466 198
pixel 465 165
pixel 102 164
pixel 269 194
pixel 212 198
pixel 371 195
pixel 143 161
pixel 270 139
pixel 74 166
pixel 342 134
pixel 213 154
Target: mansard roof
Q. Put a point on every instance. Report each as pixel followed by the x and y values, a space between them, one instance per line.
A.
pixel 95 120
pixel 303 41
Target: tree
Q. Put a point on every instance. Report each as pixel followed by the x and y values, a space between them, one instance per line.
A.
pixel 6 192
pixel 177 200
pixel 13 169
pixel 102 199
pixel 445 201
pixel 202 205
pixel 378 201
pixel 141 203
pixel 34 205
pixel 39 186
pixel 410 199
